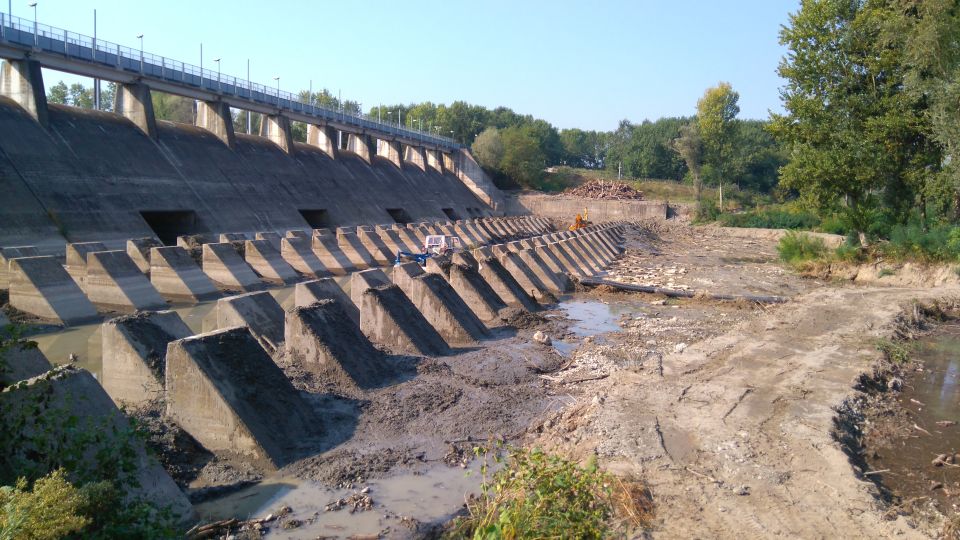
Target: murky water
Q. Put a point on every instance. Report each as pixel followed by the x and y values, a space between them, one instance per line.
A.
pixel 592 318
pixel 930 396
pixel 433 495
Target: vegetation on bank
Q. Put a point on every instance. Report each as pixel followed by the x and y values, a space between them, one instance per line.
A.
pixel 538 495
pixel 50 484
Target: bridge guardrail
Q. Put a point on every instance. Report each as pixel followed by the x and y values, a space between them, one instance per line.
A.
pixel 28 33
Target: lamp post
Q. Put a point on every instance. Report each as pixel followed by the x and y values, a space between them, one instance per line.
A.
pixel 36 39
pixel 140 37
pixel 250 92
pixel 278 90
pixel 219 86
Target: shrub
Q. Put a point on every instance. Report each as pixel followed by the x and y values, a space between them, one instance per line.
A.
pixel 536 495
pixel 797 247
pixel 51 510
pixel 771 219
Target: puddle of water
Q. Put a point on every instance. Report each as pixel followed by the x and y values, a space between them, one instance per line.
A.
pixel 908 459
pixel 431 496
pixel 591 317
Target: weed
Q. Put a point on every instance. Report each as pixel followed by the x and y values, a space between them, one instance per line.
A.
pixel 895 352
pixel 884 272
pixel 538 495
pixel 797 247
pixel 51 510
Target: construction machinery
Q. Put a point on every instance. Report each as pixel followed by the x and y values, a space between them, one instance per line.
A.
pixel 433 245
pixel 580 221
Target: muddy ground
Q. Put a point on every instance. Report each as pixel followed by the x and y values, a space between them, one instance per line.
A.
pixel 727 410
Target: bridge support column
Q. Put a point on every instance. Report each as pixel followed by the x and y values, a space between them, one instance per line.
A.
pixel 472 176
pixel 215 117
pixel 361 145
pixel 324 138
pixel 415 155
pixel 277 129
pixel 390 150
pixel 133 102
pixel 22 81
pixel 449 164
pixel 434 160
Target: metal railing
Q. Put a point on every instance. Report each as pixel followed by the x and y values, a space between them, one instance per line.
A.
pixel 74 46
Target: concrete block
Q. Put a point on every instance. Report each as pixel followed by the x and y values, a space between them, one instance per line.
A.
pixel 225 391
pixel 331 257
pixel 41 287
pixel 78 393
pixel 388 318
pixel 257 311
pixel 114 282
pixel 310 292
pixel 298 253
pixel 351 246
pixel 322 339
pixel 268 263
pixel 139 251
pixel 375 246
pixel 24 361
pixel 194 241
pixel 361 281
pixel 271 237
pixel 391 241
pixel 414 244
pixel 524 276
pixel 134 354
pixel 233 237
pixel 503 283
pixel 297 233
pixel 440 305
pixel 8 253
pixel 177 277
pixel 566 249
pixel 556 283
pixel 475 291
pixel 223 265
pixel 76 261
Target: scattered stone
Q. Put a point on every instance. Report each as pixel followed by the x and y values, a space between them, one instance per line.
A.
pixel 679 347
pixel 542 338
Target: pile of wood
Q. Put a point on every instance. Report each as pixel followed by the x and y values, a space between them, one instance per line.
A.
pixel 605 190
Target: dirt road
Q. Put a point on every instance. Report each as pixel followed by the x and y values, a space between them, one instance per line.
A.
pixel 733 433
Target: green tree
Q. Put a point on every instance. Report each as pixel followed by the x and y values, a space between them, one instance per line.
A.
pixel 59 94
pixel 488 149
pixel 716 122
pixel 80 96
pixel 108 92
pixel 689 147
pixel 523 159
pixel 240 121
pixel 172 108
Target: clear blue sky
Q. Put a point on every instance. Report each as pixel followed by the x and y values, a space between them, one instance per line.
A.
pixel 584 64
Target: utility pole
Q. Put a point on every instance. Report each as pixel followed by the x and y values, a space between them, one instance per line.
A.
pixel 619 165
pixel 249 89
pixel 96 82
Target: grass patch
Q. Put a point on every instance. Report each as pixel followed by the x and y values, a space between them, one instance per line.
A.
pixel 896 352
pixel 771 218
pixel 539 495
pixel 797 247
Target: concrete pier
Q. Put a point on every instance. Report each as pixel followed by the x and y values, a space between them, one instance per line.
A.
pixel 139 251
pixel 440 305
pixel 76 259
pixel 223 265
pixel 388 318
pixel 268 263
pixel 310 292
pixel 324 245
pixel 134 354
pixel 225 391
pixel 351 246
pixel 215 117
pixel 502 282
pixel 322 339
pixel 272 237
pixel 133 102
pixel 22 81
pixel 257 311
pixel 367 279
pixel 113 282
pixel 8 253
pixel 41 287
pixel 177 277
pixel 374 245
pixel 298 253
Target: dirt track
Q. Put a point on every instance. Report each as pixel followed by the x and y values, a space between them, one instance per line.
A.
pixel 733 433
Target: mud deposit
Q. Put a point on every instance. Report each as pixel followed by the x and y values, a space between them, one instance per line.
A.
pixel 914 437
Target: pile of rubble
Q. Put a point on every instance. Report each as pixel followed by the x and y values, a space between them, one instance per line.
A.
pixel 605 190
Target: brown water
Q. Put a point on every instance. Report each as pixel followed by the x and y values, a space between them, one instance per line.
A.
pixel 929 396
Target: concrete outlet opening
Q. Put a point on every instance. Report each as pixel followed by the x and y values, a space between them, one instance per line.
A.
pixel 318 219
pixel 400 215
pixel 169 224
pixel 451 213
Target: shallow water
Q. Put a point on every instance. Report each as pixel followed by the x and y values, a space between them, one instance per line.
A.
pixel 930 396
pixel 433 495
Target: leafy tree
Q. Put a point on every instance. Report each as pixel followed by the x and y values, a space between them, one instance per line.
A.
pixel 240 121
pixel 690 148
pixel 108 93
pixel 80 96
pixel 488 149
pixel 173 108
pixel 716 114
pixel 59 94
pixel 523 159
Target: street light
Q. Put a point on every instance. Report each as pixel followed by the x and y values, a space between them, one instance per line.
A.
pixel 219 87
pixel 36 40
pixel 140 37
pixel 278 90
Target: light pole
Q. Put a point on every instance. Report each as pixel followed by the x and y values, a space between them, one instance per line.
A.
pixel 219 86
pixel 278 90
pixel 250 92
pixel 390 117
pixel 399 115
pixel 451 134
pixel 140 37
pixel 36 39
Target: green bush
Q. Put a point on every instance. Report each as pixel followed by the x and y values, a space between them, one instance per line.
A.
pixel 771 219
pixel 51 510
pixel 936 244
pixel 536 495
pixel 797 247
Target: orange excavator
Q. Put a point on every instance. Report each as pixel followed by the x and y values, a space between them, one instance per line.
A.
pixel 580 221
